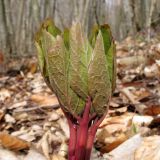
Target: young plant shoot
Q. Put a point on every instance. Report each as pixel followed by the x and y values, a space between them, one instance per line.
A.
pixel 80 70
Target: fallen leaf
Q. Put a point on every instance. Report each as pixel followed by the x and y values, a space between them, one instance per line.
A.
pixel 126 150
pixel 53 116
pixel 117 120
pixel 32 67
pixel 113 131
pixel 142 120
pixel 155 122
pixel 34 155
pixel 63 151
pixel 57 157
pixel 112 145
pixel 152 71
pixel 4 93
pixel 152 110
pixel 142 94
pixel 44 144
pixel 1 114
pixel 13 143
pixel 149 149
pixel 64 126
pixel 18 104
pixel 7 155
pixel 9 119
pixel 43 100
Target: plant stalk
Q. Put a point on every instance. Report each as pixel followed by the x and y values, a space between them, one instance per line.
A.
pixel 82 134
pixel 72 142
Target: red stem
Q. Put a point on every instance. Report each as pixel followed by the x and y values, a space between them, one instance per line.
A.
pixel 91 136
pixel 90 142
pixel 73 136
pixel 83 132
pixel 72 141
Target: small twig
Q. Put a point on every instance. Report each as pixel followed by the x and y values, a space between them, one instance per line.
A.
pixel 128 95
pixel 35 108
pixel 138 106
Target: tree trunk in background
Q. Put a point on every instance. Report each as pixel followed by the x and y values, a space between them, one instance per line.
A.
pixel 6 26
pixel 20 19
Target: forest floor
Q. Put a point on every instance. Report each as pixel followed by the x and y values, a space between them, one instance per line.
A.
pixel 33 126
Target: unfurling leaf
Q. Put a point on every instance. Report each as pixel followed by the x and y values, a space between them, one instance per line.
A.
pixel 76 67
pixel 99 80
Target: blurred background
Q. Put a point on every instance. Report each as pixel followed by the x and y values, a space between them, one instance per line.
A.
pixel 20 19
pixel 30 111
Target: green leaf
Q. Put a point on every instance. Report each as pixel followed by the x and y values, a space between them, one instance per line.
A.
pixel 50 27
pixel 58 67
pixel 110 52
pixel 76 67
pixel 107 37
pixel 43 65
pixel 66 35
pixel 111 63
pixel 55 57
pixel 93 36
pixel 79 54
pixel 99 80
pixel 40 56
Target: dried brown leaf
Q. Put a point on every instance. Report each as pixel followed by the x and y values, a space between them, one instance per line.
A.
pixel 1 114
pixel 43 100
pixel 33 155
pixel 13 143
pixel 109 147
pixel 4 94
pixel 18 105
pixel 57 157
pixel 32 67
pixel 7 155
pixel 149 149
pixel 126 150
pixel 152 110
